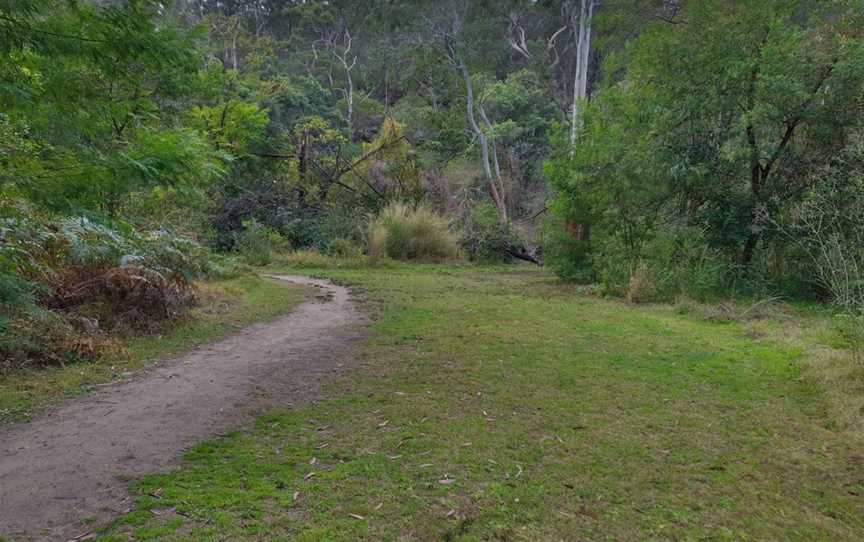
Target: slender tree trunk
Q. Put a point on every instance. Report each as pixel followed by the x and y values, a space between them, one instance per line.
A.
pixel 579 230
pixel 349 97
pixel 497 166
pixel 484 144
pixel 348 64
pixel 234 52
pixel 303 155
pixel 583 51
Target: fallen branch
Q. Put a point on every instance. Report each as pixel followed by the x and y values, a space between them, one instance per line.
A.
pixel 522 255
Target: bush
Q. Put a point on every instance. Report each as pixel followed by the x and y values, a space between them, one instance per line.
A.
pixel 612 264
pixel 63 282
pixel 37 337
pixel 675 261
pixel 174 254
pixel 641 287
pixel 257 243
pixel 486 240
pixel 344 248
pixel 16 294
pixel 405 233
pixel 136 298
pixel 568 256
pixel 827 227
pixel 683 264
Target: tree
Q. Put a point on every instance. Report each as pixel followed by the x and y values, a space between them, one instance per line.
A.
pixel 94 87
pixel 745 100
pixel 582 29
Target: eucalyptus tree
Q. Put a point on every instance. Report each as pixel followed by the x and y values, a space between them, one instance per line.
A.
pixel 715 116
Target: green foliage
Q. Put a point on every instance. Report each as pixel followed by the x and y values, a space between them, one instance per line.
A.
pixel 613 182
pixel 405 233
pixel 568 255
pixel 486 240
pixel 232 126
pixel 58 273
pixel 15 293
pixel 91 116
pixel 708 138
pixel 717 126
pixel 257 243
pixel 344 248
pixel 827 229
pixel 393 174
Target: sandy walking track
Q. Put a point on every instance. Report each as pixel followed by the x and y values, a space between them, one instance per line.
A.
pixel 71 465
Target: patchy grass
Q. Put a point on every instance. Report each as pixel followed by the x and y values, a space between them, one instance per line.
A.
pixel 502 405
pixel 315 261
pixel 225 306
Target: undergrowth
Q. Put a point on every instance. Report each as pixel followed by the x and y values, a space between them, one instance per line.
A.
pixel 68 284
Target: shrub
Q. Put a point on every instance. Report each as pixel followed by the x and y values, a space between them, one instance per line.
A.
pixel 641 287
pixel 16 294
pixel 683 264
pixel 828 229
pixel 175 254
pixel 37 337
pixel 59 275
pixel 93 245
pixel 405 233
pixel 344 248
pixel 257 242
pixel 568 256
pixel 486 240
pixel 675 261
pixel 136 298
pixel 611 262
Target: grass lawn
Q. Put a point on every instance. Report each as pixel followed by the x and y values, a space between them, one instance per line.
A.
pixel 502 405
pixel 225 306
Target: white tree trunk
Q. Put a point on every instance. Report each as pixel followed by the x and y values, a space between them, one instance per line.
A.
pixel 348 64
pixel 495 163
pixel 583 52
pixel 349 98
pixel 484 144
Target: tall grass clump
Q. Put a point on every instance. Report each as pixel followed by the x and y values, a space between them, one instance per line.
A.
pixel 402 232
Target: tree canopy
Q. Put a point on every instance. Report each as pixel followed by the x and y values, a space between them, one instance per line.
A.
pixel 640 123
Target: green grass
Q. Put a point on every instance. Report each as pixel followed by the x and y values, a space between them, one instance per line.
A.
pixel 501 405
pixel 225 306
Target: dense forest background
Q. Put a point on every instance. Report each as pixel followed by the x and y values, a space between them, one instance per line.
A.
pixel 655 147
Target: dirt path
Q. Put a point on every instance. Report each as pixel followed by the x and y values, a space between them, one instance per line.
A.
pixel 70 465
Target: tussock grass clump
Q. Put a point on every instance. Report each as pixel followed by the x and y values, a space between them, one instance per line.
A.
pixel 408 233
pixel 641 286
